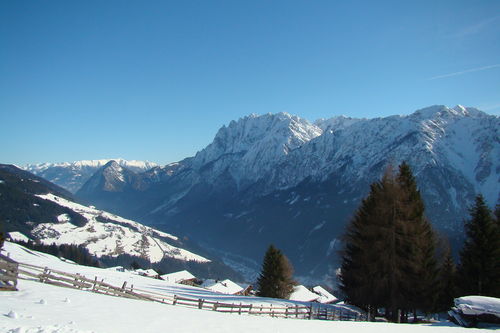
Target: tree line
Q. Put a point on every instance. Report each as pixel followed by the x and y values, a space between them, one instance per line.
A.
pixel 392 261
pixel 76 253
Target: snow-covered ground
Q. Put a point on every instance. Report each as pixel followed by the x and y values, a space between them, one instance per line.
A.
pixel 109 234
pixel 43 308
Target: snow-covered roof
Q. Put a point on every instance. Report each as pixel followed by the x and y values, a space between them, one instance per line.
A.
pixel 302 294
pixel 225 287
pixel 477 305
pixel 116 268
pixel 325 296
pixel 178 277
pixel 18 237
pixel 147 272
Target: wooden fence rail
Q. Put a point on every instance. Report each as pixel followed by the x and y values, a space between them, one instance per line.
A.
pixel 78 281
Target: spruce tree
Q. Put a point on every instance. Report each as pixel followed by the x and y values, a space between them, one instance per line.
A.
pixel 421 267
pixel 374 258
pixel 275 279
pixel 389 255
pixel 479 270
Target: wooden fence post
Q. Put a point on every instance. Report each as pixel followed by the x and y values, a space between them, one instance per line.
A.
pixel 215 306
pixel 310 312
pixel 250 309
pixel 200 303
pixel 296 311
pixel 175 300
pixel 124 285
pixel 240 309
pixel 45 274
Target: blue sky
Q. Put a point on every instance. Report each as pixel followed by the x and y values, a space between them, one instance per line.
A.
pixel 154 80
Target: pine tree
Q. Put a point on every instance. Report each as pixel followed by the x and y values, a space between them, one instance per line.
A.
pixel 389 256
pixel 479 269
pixel 275 279
pixel 373 266
pixel 422 272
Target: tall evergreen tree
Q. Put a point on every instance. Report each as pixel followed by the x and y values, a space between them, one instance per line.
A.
pixel 389 256
pixel 275 279
pixel 479 270
pixel 422 271
pixel 373 266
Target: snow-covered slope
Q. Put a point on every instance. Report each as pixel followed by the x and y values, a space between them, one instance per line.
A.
pixel 462 142
pixel 72 175
pixel 42 212
pixel 110 235
pixel 44 308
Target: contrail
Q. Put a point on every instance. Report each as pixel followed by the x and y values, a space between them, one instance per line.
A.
pixel 464 72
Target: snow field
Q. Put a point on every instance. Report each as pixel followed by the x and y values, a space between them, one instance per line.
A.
pixel 88 312
pixel 43 308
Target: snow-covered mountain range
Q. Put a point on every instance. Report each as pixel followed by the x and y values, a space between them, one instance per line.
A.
pixel 280 179
pixel 72 175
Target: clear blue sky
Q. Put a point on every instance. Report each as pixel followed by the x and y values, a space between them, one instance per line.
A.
pixel 154 80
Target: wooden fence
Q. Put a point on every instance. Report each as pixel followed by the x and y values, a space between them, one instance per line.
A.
pixel 8 273
pixel 78 281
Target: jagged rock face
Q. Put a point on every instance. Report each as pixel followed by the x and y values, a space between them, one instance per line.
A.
pixel 72 176
pixel 280 179
pixel 252 147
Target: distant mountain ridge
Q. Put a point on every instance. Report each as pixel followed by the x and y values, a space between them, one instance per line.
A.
pixel 72 175
pixel 281 179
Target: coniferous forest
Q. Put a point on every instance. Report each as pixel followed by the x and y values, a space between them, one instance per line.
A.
pixel 392 262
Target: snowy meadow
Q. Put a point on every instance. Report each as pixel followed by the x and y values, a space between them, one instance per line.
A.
pixel 38 307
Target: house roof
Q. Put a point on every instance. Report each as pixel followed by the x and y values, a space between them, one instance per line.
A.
pixel 225 287
pixel 301 293
pixel 178 277
pixel 146 272
pixel 325 296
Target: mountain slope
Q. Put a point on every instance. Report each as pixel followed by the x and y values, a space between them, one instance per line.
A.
pixel 72 176
pixel 44 212
pixel 280 179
